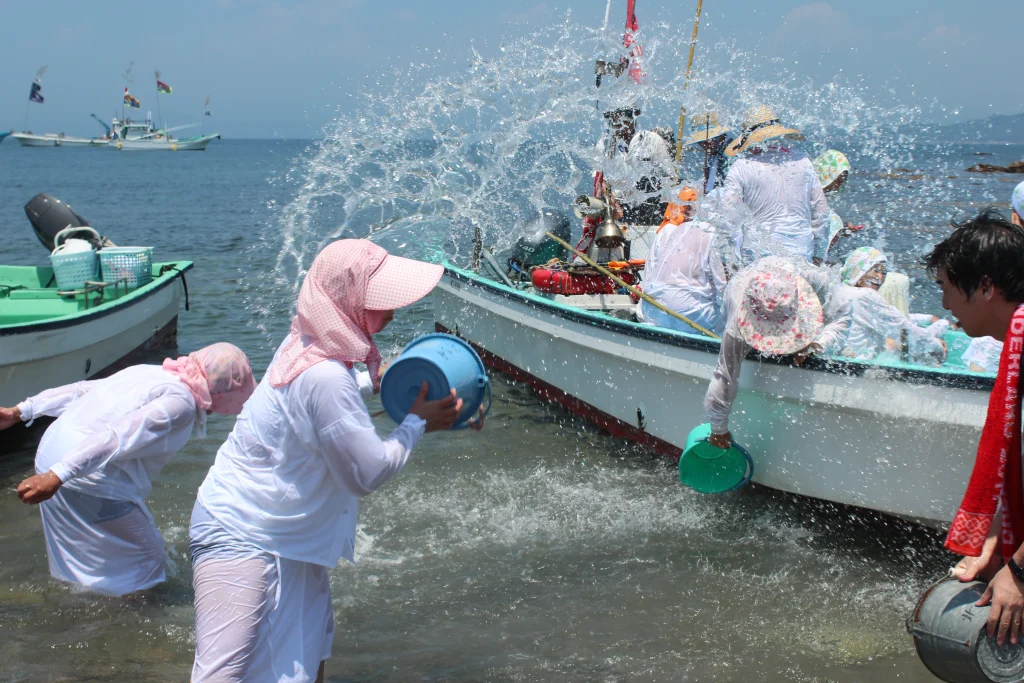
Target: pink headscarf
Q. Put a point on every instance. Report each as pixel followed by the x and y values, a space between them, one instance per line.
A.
pixel 342 303
pixel 219 377
pixel 331 317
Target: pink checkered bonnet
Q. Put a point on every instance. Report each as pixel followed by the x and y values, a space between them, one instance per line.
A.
pixel 779 313
pixel 347 279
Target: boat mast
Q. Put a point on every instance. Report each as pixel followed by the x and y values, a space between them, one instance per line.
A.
pixel 158 114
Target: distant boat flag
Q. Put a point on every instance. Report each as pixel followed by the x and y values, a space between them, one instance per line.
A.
pixel 36 94
pixel 131 100
pixel 162 87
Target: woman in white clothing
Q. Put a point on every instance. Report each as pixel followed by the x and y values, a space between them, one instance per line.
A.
pixel 280 504
pixel 773 306
pixel 96 462
pixel 875 326
pixel 684 272
pixel 780 188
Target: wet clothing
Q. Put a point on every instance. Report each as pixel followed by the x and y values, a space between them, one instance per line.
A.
pixel 281 622
pixel 684 272
pixel 283 495
pixel 874 328
pixel 781 190
pixel 111 437
pixel 982 354
pixel 724 384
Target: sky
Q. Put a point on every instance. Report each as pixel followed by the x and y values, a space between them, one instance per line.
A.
pixel 286 68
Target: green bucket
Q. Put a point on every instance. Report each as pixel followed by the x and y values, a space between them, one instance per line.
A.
pixel 707 469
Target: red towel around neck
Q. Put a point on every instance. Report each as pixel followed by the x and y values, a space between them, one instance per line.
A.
pixel 996 479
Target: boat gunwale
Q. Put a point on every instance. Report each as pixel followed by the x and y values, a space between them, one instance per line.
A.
pixel 833 366
pixel 104 309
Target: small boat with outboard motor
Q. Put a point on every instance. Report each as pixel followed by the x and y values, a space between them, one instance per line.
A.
pixel 134 136
pixel 90 307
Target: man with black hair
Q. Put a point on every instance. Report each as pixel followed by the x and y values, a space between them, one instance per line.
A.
pixel 980 269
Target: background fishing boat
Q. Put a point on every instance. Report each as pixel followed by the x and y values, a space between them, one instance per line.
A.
pixel 133 136
pixel 29 139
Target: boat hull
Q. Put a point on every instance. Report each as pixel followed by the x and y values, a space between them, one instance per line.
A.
pixel 32 361
pixel 895 442
pixel 54 140
pixel 191 145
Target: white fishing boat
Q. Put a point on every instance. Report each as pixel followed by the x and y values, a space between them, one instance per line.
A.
pixel 891 437
pixel 29 139
pixel 132 136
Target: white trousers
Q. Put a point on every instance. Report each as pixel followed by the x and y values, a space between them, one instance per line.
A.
pixel 260 618
pixel 107 546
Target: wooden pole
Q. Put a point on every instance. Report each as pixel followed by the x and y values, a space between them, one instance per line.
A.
pixel 632 290
pixel 686 84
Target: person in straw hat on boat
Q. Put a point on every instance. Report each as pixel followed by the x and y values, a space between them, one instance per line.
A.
pixel 279 507
pixel 773 306
pixel 712 138
pixel 97 461
pixel 777 183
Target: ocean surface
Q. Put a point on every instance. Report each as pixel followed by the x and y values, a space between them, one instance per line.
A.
pixel 537 550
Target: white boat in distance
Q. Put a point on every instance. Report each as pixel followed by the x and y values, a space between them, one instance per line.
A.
pixel 29 139
pixel 132 136
pixel 895 438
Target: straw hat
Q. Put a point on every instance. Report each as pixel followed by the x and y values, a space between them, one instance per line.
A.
pixel 704 126
pixel 760 124
pixel 779 313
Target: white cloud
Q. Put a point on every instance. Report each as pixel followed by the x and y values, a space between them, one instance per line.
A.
pixel 944 35
pixel 536 14
pixel 817 19
pixel 406 15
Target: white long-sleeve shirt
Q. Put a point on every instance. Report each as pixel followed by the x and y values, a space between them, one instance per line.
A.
pixel 684 272
pixel 724 384
pixel 289 477
pixel 781 190
pixel 113 435
pixel 874 327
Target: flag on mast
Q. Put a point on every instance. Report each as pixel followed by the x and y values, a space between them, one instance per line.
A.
pixel 36 94
pixel 636 50
pixel 131 100
pixel 162 87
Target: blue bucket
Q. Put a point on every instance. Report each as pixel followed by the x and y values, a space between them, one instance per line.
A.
pixel 707 469
pixel 444 362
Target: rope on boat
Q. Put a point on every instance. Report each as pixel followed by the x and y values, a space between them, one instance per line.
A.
pixel 632 290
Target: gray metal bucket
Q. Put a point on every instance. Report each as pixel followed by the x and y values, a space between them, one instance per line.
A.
pixel 949 634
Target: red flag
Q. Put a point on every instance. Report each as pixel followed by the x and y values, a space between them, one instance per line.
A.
pixel 636 50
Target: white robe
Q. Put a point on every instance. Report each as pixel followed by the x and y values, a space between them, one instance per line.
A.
pixel 790 212
pixel 684 273
pixel 111 437
pixel 277 509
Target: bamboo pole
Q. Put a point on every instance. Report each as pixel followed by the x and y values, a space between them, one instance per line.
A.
pixel 686 84
pixel 632 290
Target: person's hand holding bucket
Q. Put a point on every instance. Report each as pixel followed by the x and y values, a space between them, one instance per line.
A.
pixel 722 441
pixel 440 414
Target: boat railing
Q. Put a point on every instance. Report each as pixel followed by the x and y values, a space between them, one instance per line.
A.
pixel 92 287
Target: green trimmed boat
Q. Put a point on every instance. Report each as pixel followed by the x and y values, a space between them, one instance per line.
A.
pixel 50 338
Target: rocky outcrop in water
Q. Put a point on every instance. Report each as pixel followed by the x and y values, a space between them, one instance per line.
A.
pixel 1015 167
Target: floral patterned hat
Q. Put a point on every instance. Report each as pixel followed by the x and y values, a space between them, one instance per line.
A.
pixel 859 262
pixel 779 313
pixel 830 165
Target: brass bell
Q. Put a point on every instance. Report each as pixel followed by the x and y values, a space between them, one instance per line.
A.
pixel 609 235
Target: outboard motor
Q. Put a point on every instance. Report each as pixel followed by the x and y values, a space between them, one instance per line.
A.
pixel 50 215
pixel 535 248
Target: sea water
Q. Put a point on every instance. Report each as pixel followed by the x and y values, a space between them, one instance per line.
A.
pixel 539 549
